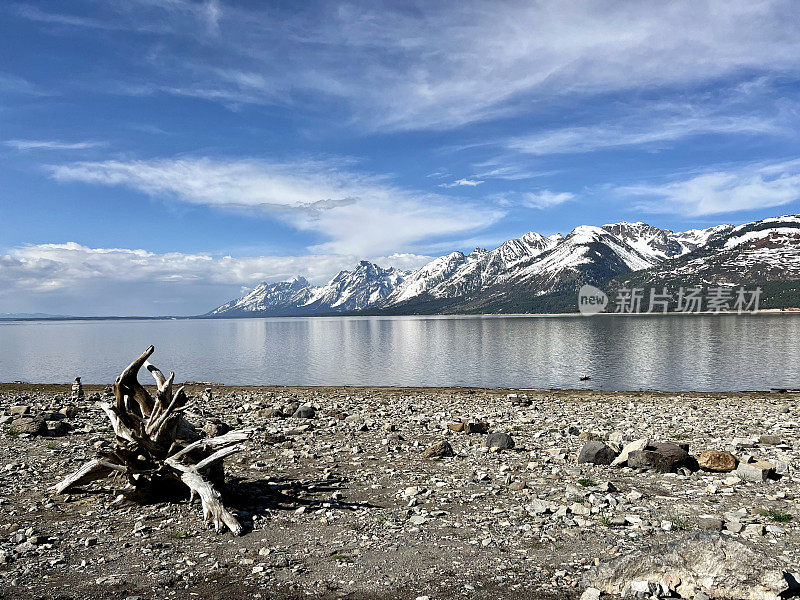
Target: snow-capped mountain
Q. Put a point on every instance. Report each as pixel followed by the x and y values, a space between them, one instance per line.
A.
pixel 347 291
pixel 660 244
pixel 456 275
pixel 352 290
pixel 527 274
pixel 754 253
pixel 534 266
pixel 265 297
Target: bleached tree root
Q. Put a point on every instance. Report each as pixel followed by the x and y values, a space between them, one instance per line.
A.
pixel 155 444
pixel 93 470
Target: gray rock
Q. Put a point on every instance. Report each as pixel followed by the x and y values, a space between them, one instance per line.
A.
pixel 734 526
pixel 305 412
pixel 69 411
pixel 57 428
pixel 596 453
pixel 20 410
pixel 709 523
pixel 31 425
pixel 502 441
pixel 439 450
pixel 271 413
pixel 758 470
pixel 770 440
pixel 622 459
pixel 591 594
pixel 726 567
pixel 664 458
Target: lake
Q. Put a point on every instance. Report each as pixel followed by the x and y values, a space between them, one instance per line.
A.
pixel 671 353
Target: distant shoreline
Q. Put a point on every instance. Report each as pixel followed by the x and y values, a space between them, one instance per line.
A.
pixel 195 387
pixel 792 310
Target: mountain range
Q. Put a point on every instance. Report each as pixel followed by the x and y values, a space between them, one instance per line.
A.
pixel 536 273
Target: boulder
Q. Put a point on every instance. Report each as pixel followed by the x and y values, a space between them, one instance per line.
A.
pixel 710 523
pixel 622 459
pixel 479 427
pixel 57 428
pixel 439 450
pixel 305 412
pixel 30 425
pixel 716 461
pixel 20 410
pixel 770 440
pixel 756 470
pixel 271 413
pixel 457 427
pixel 501 441
pixel 591 594
pixel 69 411
pixel 596 453
pixel 722 566
pixel 663 457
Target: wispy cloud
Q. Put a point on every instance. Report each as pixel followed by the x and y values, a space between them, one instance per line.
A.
pixel 750 187
pixel 86 280
pixel 11 84
pixel 546 198
pixel 506 169
pixel 652 131
pixel 461 183
pixel 400 69
pixel 51 145
pixel 357 213
pixel 149 16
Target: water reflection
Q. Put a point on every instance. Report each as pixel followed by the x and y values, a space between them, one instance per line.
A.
pixel 642 352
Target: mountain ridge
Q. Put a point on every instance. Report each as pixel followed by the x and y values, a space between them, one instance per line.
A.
pixel 520 271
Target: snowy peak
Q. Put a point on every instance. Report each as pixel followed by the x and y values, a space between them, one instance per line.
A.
pixel 455 275
pixel 348 290
pixel 754 253
pixel 268 296
pixel 356 289
pixel 661 244
pixel 520 270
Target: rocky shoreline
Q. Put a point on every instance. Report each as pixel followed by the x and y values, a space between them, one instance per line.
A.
pixel 408 493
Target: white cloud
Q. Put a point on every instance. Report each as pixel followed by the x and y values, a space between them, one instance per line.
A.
pixel 51 145
pixel 497 169
pixel 75 279
pixel 546 198
pixel 359 214
pixel 750 187
pixel 445 64
pixel 573 140
pixel 462 182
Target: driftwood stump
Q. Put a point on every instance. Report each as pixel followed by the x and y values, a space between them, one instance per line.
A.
pixel 157 447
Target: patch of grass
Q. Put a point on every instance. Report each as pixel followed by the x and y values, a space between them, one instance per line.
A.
pixel 605 522
pixel 52 446
pixel 585 482
pixel 680 523
pixel 182 535
pixel 340 557
pixel 12 432
pixel 776 515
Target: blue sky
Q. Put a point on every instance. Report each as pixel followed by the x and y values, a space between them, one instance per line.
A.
pixel 158 156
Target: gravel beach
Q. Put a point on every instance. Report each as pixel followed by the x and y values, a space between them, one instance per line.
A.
pixel 409 493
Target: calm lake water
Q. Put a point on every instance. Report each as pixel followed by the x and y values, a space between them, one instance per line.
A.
pixel 709 353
